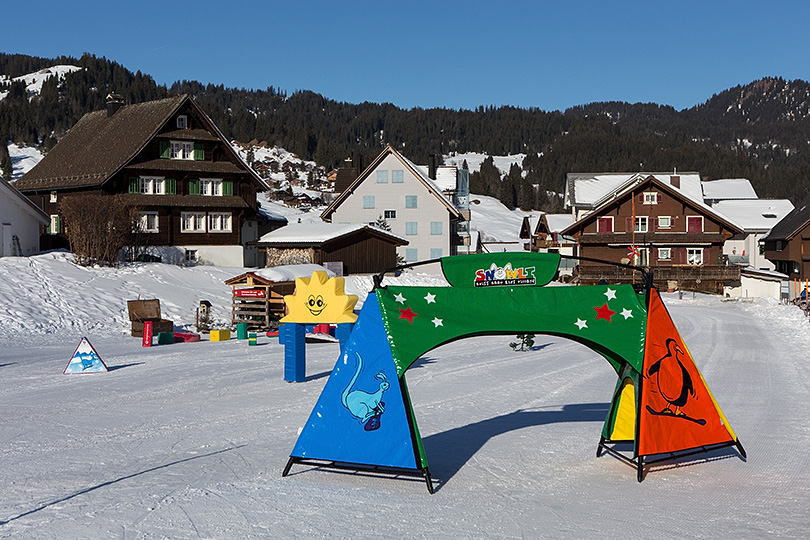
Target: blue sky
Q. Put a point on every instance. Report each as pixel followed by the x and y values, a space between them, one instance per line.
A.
pixel 546 54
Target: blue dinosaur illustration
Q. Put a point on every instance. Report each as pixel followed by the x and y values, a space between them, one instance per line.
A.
pixel 365 406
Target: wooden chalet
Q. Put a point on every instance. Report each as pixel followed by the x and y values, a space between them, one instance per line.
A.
pixel 358 249
pixel 787 245
pixel 650 223
pixel 195 196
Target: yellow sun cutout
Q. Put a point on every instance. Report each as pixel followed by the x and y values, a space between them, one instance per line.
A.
pixel 319 299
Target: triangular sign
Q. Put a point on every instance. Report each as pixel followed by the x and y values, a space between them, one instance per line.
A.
pixel 85 360
pixel 678 411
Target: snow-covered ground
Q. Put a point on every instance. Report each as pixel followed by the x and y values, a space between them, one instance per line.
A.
pixel 34 81
pixel 189 440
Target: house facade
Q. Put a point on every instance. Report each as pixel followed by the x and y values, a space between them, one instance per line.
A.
pixel 195 197
pixel 21 223
pixel 650 223
pixel 756 217
pixel 394 189
pixel 787 245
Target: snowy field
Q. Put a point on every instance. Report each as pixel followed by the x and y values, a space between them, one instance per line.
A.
pixel 189 440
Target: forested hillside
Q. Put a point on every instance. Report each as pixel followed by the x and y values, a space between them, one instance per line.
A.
pixel 759 131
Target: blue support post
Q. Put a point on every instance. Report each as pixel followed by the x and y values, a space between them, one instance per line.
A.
pixel 342 334
pixel 295 360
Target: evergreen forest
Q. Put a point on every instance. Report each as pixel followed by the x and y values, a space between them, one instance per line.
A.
pixel 759 131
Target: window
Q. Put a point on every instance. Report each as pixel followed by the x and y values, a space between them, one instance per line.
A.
pixel 664 254
pixel 640 225
pixel 694 256
pixel 411 228
pixel 643 257
pixel 191 255
pixel 152 185
pixel 778 242
pixel 664 222
pixel 148 222
pixel 390 214
pixel 182 150
pixel 368 201
pixel 411 255
pixel 410 201
pixel 651 197
pixel 182 121
pixel 192 222
pixel 435 253
pixel 382 177
pixel 604 225
pixel 694 223
pixel 397 176
pixel 219 222
pixel 211 187
pixel 435 227
pixel 54 227
pixel 53 196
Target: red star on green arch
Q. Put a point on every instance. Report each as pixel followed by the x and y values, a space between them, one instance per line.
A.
pixel 603 312
pixel 407 314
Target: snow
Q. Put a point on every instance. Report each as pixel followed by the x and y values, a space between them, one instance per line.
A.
pixel 189 440
pixel 34 81
pixel 759 214
pixel 23 159
pixel 474 161
pixel 729 188
pixel 494 221
pixel 315 232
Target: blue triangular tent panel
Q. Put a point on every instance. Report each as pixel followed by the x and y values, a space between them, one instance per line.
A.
pixel 360 417
pixel 85 360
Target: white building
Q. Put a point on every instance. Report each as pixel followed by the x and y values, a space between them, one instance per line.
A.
pixel 415 207
pixel 20 223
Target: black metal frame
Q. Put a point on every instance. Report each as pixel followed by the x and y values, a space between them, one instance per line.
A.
pixel 639 462
pixel 359 468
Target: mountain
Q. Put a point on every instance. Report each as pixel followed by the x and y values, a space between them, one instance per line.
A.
pixel 758 131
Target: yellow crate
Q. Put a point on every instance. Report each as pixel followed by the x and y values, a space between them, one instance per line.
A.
pixel 220 335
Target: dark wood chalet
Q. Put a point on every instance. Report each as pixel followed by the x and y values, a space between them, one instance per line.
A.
pixel 652 224
pixel 195 196
pixel 344 248
pixel 787 245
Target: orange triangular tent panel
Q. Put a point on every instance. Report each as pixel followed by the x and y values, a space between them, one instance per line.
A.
pixel 677 409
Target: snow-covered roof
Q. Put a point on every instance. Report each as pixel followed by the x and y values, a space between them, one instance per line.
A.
pixel 728 188
pixel 499 247
pixel 589 189
pixel 317 232
pixel 757 214
pixel 558 222
pixel 290 272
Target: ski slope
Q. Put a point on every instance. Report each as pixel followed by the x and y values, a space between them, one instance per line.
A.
pixel 189 440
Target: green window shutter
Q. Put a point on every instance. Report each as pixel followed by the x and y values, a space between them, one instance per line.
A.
pixel 171 186
pixel 194 187
pixel 134 184
pixel 58 224
pixel 48 228
pixel 165 150
pixel 199 151
pixel 227 188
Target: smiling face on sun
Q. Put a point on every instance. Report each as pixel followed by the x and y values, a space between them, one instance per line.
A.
pixel 319 299
pixel 315 304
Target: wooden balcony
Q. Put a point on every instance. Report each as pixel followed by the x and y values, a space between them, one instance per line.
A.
pixel 705 277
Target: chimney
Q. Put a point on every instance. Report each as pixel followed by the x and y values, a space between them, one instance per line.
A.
pixel 675 180
pixel 432 166
pixel 114 102
pixel 346 174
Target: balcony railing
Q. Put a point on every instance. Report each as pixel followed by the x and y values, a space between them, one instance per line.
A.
pixel 686 275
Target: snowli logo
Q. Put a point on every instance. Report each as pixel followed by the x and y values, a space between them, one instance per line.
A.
pixel 506 275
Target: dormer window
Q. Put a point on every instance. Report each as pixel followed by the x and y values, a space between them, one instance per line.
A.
pixel 650 197
pixel 182 121
pixel 182 150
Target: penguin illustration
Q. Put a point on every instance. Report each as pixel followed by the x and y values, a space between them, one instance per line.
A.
pixel 674 382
